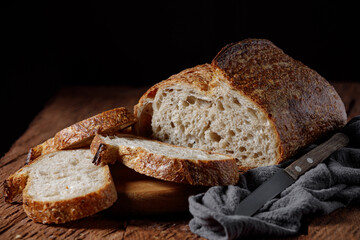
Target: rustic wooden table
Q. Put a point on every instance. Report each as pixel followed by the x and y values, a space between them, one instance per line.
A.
pixel 73 104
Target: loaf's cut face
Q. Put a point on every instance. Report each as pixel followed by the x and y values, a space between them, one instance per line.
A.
pixel 220 120
pixel 253 101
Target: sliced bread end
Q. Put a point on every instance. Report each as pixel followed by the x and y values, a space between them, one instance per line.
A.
pixel 82 133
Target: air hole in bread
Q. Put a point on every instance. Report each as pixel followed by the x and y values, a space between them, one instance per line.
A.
pixel 242 149
pixel 215 137
pixel 203 103
pixel 220 106
pixel 172 124
pixel 231 133
pixel 252 113
pixel 236 101
pixel 190 99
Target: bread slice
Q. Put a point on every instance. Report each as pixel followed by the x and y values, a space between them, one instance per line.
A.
pixel 253 102
pixel 62 186
pixel 167 162
pixel 81 134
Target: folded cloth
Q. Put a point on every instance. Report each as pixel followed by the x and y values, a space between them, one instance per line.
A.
pixel 333 184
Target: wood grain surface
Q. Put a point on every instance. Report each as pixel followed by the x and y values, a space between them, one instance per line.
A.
pixel 73 104
pixel 140 195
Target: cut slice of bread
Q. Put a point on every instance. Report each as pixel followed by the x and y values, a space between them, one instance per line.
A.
pixel 167 162
pixel 253 102
pixel 81 134
pixel 62 186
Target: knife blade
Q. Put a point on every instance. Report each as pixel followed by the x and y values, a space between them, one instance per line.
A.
pixel 286 177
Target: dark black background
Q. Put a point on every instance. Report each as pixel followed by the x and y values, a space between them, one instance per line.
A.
pixel 49 44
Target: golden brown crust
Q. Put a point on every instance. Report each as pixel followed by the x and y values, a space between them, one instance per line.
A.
pixel 302 105
pixel 71 209
pixel 15 184
pixel 46 147
pixel 81 134
pixel 206 173
pixel 188 171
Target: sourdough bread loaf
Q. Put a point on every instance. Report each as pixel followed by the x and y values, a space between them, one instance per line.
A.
pixel 166 162
pixel 81 134
pixel 62 186
pixel 253 102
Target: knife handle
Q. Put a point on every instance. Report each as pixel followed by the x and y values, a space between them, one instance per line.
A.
pixel 317 155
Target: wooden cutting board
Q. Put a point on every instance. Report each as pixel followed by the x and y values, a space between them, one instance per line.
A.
pixel 140 195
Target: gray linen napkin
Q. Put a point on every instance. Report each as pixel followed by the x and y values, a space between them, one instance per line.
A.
pixel 331 185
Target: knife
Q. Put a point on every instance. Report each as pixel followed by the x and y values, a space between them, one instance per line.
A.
pixel 285 177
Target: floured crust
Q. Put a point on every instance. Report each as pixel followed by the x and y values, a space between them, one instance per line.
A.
pixel 188 171
pixel 71 209
pixel 81 134
pixel 300 104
